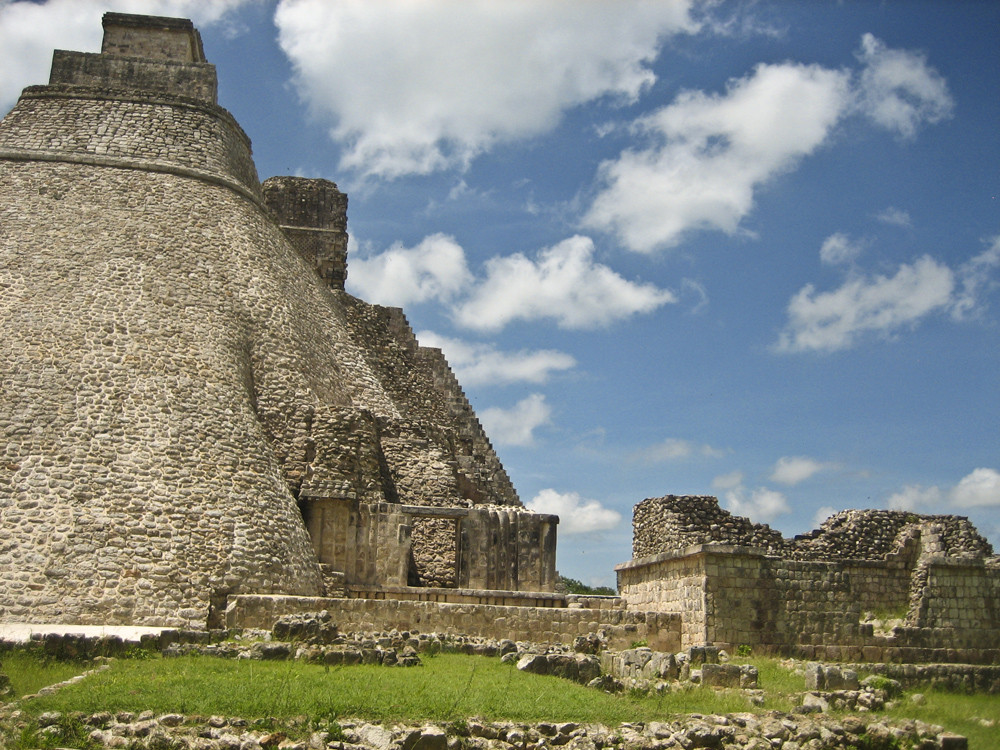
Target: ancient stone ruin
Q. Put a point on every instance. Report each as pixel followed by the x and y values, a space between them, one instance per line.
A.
pixel 199 427
pixel 868 585
pixel 192 406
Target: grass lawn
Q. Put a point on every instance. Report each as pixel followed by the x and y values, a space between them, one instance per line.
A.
pixel 446 688
pixel 959 713
pixel 29 673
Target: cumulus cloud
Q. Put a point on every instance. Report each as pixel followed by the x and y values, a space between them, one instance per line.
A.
pixel 881 305
pixel 885 305
pixel 898 90
pixel 516 426
pixel 444 80
pixel 483 364
pixel 675 449
pixel 576 515
pixel 435 269
pixel 761 505
pixel 791 470
pixel 895 216
pixel 712 151
pixel 564 284
pixel 838 249
pixel 708 154
pixel 980 488
pixel 29 31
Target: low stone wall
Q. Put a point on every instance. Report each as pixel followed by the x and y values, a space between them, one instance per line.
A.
pixel 622 628
pixel 978 678
pixel 463 596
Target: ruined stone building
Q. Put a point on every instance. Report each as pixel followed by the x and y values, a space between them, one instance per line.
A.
pixel 199 426
pixel 872 585
pixel 191 404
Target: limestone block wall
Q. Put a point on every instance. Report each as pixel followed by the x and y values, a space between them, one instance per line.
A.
pixel 669 582
pixel 142 389
pixel 506 548
pixel 154 37
pixel 621 627
pixel 187 79
pixel 138 128
pixel 730 596
pixel 675 522
pixel 338 454
pixel 368 542
pixel 959 594
pixel 430 398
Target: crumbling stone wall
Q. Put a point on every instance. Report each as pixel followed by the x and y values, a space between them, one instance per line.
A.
pixel 674 522
pixel 881 534
pixel 812 595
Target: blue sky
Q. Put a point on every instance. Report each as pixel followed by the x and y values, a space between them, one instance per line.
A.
pixel 742 249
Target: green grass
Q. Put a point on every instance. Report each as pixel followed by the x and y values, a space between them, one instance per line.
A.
pixel 957 712
pixel 447 687
pixel 29 673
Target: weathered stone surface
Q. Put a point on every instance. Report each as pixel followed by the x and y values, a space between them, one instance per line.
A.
pixel 884 586
pixel 735 731
pixel 184 374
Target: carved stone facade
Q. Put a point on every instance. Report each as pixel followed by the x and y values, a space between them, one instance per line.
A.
pixel 188 391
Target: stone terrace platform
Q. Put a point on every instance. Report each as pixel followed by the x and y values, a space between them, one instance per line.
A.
pixel 550 618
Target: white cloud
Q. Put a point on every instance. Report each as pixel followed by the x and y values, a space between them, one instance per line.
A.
pixel 976 275
pixel 516 426
pixel 444 80
pixel 710 153
pixel 895 216
pixel 29 32
pixel 829 321
pixel 576 515
pixel 822 513
pixel 791 470
pixel 838 249
pixel 714 152
pixel 729 481
pixel 898 90
pixel 483 364
pixel 913 497
pixel 979 488
pixel 761 505
pixel 564 284
pixel 675 449
pixel 435 269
